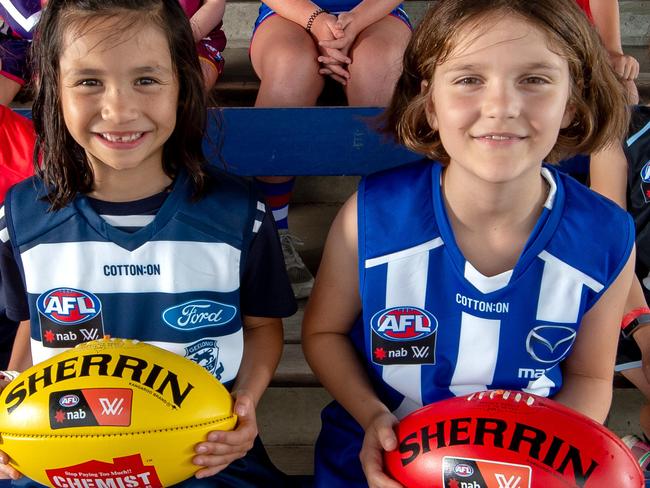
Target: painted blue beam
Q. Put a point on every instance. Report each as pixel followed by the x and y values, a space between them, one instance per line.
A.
pixel 299 141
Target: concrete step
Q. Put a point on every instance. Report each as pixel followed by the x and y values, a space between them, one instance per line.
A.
pixel 289 422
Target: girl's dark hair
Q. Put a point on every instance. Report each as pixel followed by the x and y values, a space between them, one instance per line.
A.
pixel 597 95
pixel 59 160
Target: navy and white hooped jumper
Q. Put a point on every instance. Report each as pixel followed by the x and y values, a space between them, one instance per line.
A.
pixel 173 283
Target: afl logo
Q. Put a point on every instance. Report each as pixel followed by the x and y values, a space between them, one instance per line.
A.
pixel 645 173
pixel 68 306
pixel 463 470
pixel 404 323
pixel 69 400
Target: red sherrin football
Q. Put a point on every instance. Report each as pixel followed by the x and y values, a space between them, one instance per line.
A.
pixel 507 439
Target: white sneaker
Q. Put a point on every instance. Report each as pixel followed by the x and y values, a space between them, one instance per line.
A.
pixel 302 281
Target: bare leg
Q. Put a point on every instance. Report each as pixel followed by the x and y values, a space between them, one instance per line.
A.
pixel 8 90
pixel 377 62
pixel 284 57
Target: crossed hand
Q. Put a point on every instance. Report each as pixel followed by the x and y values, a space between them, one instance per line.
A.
pixel 334 41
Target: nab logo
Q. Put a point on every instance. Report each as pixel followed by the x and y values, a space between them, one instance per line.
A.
pixel 404 323
pixel 645 173
pixel 68 306
pixel 464 470
pixel 69 400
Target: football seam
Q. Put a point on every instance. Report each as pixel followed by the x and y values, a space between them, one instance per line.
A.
pixel 119 434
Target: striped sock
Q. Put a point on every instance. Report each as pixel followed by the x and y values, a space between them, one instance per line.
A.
pixel 277 196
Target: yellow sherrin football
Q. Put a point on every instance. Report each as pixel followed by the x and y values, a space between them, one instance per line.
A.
pixel 111 413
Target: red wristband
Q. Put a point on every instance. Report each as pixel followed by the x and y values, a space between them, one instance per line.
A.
pixel 632 314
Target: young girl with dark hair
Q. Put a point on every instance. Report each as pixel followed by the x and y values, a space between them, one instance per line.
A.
pixel 479 267
pixel 125 212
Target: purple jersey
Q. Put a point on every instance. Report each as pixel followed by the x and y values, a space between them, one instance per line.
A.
pixel 21 16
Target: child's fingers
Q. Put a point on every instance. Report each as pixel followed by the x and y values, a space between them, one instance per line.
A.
pixel 335 53
pixel 211 471
pixel 328 72
pixel 327 60
pixel 387 437
pixel 631 69
pixel 339 70
pixel 335 44
pixel 372 463
pixel 344 20
pixel 244 435
pixel 7 471
pixel 215 454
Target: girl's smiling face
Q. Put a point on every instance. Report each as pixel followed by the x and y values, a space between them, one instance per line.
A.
pixel 499 99
pixel 119 96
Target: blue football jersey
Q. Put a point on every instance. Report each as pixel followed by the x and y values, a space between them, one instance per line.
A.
pixel 432 326
pixel 174 283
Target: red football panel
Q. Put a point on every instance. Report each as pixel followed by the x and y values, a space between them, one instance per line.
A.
pixel 563 448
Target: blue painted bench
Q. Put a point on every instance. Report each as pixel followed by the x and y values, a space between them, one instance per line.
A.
pixel 298 141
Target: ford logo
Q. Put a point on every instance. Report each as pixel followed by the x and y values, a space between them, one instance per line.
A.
pixel 198 313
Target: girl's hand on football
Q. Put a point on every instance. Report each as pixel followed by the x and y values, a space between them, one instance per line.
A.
pixel 7 471
pixel 224 447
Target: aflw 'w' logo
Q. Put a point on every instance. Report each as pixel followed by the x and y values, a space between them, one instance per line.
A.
pixel 512 482
pixel 114 406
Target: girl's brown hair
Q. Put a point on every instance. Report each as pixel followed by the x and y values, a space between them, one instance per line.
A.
pixel 59 160
pixel 597 96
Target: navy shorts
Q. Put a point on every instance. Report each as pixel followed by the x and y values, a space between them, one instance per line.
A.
pixel 14 53
pixel 335 7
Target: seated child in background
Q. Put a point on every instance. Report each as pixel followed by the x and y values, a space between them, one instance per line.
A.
pixel 490 89
pixel 634 347
pixel 16 163
pixel 16 149
pixel 123 179
pixel 605 16
pixel 17 21
pixel 206 19
pixel 295 46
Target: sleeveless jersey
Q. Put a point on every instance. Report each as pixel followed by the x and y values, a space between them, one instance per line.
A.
pixel 174 283
pixel 434 327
